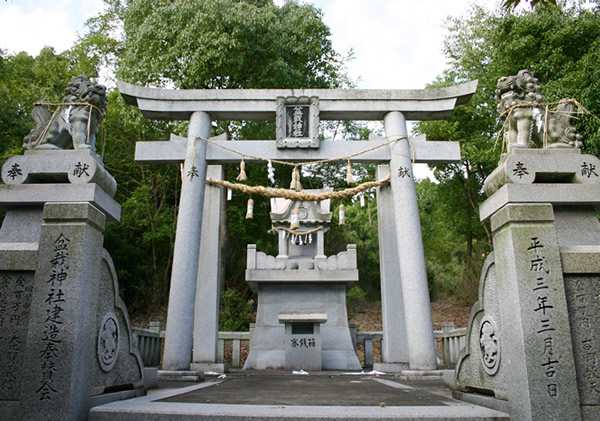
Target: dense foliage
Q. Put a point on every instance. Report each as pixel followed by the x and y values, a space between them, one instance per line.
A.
pixel 561 45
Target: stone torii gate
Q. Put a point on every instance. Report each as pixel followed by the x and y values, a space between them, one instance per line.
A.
pixel 192 320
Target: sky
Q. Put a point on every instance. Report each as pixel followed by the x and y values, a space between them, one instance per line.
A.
pixel 397 44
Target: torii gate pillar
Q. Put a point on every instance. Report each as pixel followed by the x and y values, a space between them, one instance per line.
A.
pixel 411 257
pixel 178 341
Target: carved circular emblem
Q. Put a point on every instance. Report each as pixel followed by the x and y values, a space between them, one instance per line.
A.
pixel 490 345
pixel 108 342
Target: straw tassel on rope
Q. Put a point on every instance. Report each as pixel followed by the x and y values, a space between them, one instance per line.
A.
pixel 242 176
pixel 342 214
pixel 294 219
pixel 295 185
pixel 250 209
pixel 350 178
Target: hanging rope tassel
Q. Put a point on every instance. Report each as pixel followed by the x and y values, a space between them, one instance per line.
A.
pixel 294 220
pixel 342 214
pixel 242 176
pixel 295 185
pixel 250 209
pixel 350 178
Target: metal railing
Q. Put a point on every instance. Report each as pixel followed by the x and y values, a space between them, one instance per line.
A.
pixel 149 343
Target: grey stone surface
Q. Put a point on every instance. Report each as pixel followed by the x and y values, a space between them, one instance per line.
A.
pixel 21 225
pixel 67 339
pixel 577 225
pixel 556 194
pixel 302 349
pixel 209 367
pixel 73 166
pixel 15 304
pixel 584 315
pixel 470 372
pixel 532 336
pixel 57 367
pixel 127 369
pixel 269 345
pixel 543 275
pixel 174 151
pixel 394 350
pixel 260 104
pixel 534 312
pixel 535 166
pixel 580 259
pixel 32 195
pixel 180 317
pixel 413 274
pixel 206 318
pixel 313 397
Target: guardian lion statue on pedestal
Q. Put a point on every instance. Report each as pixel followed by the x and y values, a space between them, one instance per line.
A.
pixel 75 122
pixel 519 101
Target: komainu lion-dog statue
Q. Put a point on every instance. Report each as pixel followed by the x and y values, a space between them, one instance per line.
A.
pixel 75 122
pixel 520 101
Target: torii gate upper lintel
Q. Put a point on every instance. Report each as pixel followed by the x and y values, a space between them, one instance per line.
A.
pixel 408 336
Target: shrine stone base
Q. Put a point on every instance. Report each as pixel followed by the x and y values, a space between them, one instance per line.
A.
pixel 301 305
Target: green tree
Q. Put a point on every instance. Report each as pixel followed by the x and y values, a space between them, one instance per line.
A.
pixel 25 80
pixel 191 44
pixel 560 44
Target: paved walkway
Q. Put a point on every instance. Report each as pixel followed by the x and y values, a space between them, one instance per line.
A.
pixel 270 395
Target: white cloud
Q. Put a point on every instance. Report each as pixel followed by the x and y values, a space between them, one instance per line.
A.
pixel 30 25
pixel 397 44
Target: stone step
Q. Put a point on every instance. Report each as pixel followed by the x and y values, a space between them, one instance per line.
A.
pixel 120 411
pixel 180 375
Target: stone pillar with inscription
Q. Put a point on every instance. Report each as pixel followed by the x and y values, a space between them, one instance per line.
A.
pixel 182 295
pixel 411 258
pixel 65 341
pixel 532 336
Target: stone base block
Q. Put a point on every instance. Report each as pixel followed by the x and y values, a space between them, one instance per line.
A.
pixel 390 367
pixel 417 375
pixel 180 376
pixel 483 400
pixel 209 367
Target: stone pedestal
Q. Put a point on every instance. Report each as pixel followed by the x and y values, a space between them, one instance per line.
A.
pixel 531 334
pixel 66 340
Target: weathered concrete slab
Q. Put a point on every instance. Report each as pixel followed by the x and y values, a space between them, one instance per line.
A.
pixel 319 397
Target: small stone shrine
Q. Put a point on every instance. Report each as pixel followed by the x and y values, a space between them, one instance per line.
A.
pixel 533 339
pixel 65 339
pixel 301 321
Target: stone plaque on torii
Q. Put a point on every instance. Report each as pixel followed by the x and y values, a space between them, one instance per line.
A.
pixel 192 320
